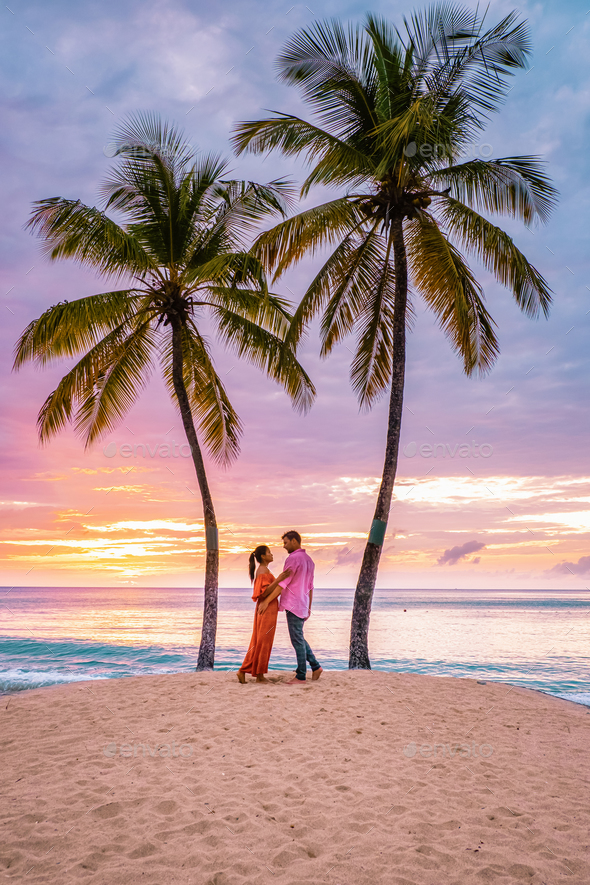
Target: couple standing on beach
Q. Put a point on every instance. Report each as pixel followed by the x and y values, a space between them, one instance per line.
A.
pixel 295 587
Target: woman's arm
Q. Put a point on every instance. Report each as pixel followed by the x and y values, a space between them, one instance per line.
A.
pixel 264 604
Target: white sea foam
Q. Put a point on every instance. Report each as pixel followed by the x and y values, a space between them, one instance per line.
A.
pixel 59 635
pixel 17 680
pixel 578 697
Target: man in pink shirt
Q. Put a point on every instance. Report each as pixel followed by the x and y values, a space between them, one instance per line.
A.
pixel 296 597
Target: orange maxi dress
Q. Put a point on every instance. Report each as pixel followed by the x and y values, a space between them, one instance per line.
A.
pixel 263 633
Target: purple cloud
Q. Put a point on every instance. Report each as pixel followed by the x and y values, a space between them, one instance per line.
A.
pixel 452 556
pixel 350 555
pixel 581 567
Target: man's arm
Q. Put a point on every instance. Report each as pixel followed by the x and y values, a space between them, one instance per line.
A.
pixel 283 581
pixel 271 587
pixel 310 591
pixel 290 570
pixel 266 600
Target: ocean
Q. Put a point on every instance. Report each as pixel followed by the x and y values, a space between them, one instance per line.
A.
pixel 535 639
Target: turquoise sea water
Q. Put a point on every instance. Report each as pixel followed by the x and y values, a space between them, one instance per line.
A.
pixel 535 639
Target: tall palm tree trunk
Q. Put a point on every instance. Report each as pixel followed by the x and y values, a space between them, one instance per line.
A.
pixel 206 658
pixel 361 613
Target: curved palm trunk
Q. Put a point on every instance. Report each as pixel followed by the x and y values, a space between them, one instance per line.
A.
pixel 206 657
pixel 361 613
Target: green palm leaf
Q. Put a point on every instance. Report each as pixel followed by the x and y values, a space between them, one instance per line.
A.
pixel 71 327
pixel 184 241
pixel 397 108
pixel 268 352
pixel 84 384
pixel 117 385
pixel 307 232
pixel 497 252
pixel 72 230
pixel 217 421
pixel 354 269
pixel 450 289
pixel 269 311
pixel 515 186
pixel 370 371
pixel 292 136
pixel 333 67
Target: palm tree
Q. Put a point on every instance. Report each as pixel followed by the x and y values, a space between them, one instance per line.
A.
pixel 182 248
pixel 395 110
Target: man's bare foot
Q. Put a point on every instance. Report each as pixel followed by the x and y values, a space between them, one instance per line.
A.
pixel 261 678
pixel 296 682
pixel 317 673
pixel 241 677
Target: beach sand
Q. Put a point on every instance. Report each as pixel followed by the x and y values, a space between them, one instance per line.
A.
pixel 329 783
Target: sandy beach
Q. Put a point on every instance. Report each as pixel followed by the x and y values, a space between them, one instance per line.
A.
pixel 362 777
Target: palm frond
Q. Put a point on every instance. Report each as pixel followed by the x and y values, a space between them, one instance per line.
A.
pixel 143 135
pixel 333 67
pixel 515 186
pixel 70 327
pixel 211 267
pixel 497 252
pixel 353 270
pixel 216 419
pixel 370 371
pixel 452 53
pixel 267 310
pixel 268 352
pixel 72 230
pixel 393 66
pixel 310 230
pixel 437 31
pixel 243 205
pixel 329 283
pixel 85 381
pixel 392 136
pixel 450 289
pixel 293 136
pixel 117 386
pixel 484 65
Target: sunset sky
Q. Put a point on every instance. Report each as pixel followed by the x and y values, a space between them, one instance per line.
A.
pixel 506 501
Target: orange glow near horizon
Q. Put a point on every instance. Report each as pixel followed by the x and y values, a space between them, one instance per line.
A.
pixel 522 523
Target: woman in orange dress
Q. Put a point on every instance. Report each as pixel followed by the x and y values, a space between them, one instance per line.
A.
pixel 265 622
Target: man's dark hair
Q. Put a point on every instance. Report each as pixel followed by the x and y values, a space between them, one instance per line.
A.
pixel 292 536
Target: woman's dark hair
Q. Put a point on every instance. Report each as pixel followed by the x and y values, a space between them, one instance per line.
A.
pixel 257 555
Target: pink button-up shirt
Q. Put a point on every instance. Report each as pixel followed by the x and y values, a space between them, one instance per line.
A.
pixel 298 585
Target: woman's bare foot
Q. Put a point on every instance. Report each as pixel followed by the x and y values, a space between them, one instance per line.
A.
pixel 296 681
pixel 241 677
pixel 261 678
pixel 317 673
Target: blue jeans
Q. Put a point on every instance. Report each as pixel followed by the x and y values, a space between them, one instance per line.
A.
pixel 301 646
